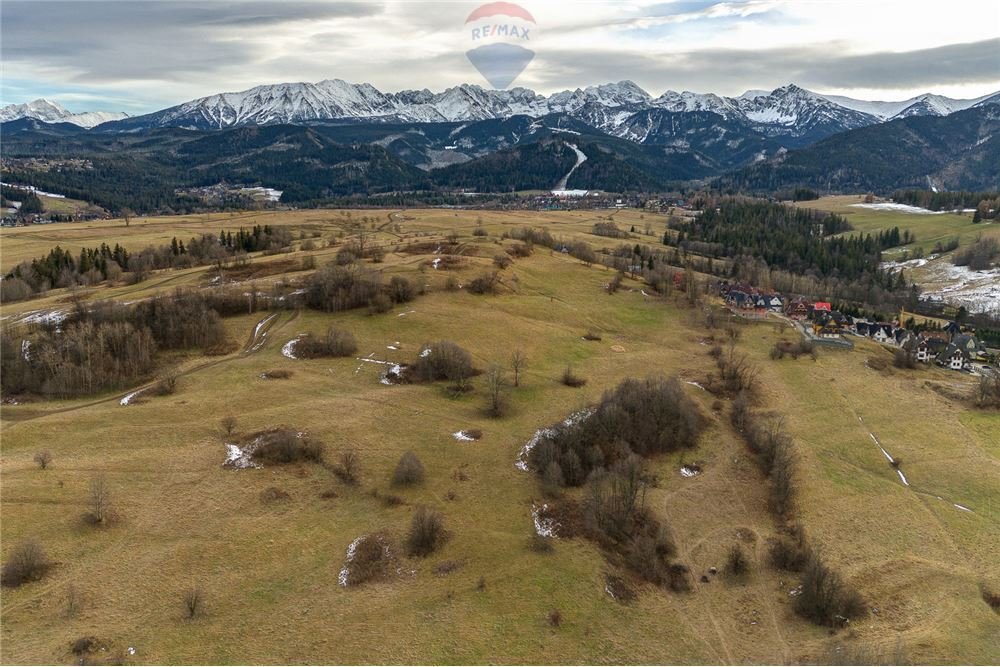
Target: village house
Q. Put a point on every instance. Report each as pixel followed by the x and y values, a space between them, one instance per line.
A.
pixel 954 357
pixel 797 309
pixel 881 332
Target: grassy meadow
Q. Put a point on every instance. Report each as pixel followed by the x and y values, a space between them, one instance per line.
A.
pixel 268 570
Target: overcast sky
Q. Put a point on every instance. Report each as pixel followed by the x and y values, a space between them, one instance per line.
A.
pixel 143 55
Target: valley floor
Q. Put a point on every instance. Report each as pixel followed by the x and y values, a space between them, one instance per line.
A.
pixel 269 570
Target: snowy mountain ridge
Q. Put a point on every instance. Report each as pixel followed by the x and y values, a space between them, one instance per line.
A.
pixel 53 112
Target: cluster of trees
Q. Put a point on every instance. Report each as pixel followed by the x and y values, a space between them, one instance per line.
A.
pixel 578 249
pixel 337 287
pixel 986 204
pixel 980 255
pixel 86 357
pixel 794 239
pixel 108 346
pixel 29 201
pixel 642 417
pixel 609 229
pixel 252 240
pixel 796 194
pixel 60 268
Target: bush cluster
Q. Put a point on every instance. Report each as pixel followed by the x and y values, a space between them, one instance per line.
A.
pixel 285 445
pixel 645 417
pixel 336 343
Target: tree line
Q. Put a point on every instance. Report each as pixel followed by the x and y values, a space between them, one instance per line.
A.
pixel 60 268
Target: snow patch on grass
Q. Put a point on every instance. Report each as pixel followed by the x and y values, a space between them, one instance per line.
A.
pixel 544 526
pixel 521 463
pixel 904 208
pixel 240 458
pixel 127 400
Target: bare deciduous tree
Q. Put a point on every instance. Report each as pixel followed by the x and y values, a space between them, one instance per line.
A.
pixel 496 392
pixel 100 500
pixel 43 459
pixel 518 362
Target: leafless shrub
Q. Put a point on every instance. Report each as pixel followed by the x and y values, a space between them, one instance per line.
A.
pixel 737 563
pixel 164 387
pixel 615 283
pixel 825 599
pixel 348 468
pixel 480 231
pixel 277 374
pixel 784 348
pixel 987 394
pixel 83 645
pixel 371 557
pixel 904 359
pixel 787 553
pixel 555 618
pixel 426 532
pixel 408 471
pixel 645 417
pixel 481 584
pixel 521 250
pixel 400 290
pixel 228 424
pixel 680 578
pixel 27 562
pixel 192 599
pixel 991 598
pixel 444 361
pixel 378 304
pixel 502 261
pixel 336 343
pixel 43 459
pixel 571 379
pixel 484 284
pixel 285 445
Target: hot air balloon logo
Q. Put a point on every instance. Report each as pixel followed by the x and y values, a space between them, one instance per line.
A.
pixel 500 34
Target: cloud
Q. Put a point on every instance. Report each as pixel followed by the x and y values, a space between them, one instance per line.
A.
pixel 735 70
pixel 107 41
pixel 156 53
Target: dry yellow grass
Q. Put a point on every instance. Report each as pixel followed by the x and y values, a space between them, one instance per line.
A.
pixel 269 572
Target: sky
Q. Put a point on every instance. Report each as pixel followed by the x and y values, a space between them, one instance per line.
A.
pixel 139 56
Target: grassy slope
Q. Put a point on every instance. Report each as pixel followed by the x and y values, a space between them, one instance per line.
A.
pixel 270 571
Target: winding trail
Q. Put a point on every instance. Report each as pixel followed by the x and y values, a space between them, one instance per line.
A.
pixel 254 344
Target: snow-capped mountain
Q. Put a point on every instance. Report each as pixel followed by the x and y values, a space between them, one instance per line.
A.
pixel 793 114
pixel 53 112
pixel 921 105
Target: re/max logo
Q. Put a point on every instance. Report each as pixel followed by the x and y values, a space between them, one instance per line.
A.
pixel 501 30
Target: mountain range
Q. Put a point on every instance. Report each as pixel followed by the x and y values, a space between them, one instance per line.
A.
pixel 53 112
pixel 620 109
pixel 335 139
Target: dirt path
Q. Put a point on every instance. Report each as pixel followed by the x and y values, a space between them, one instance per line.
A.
pixel 256 341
